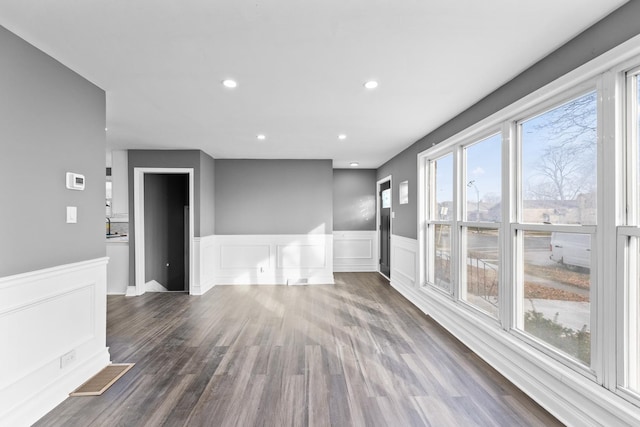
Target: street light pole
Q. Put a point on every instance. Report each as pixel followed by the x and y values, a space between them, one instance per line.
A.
pixel 470 184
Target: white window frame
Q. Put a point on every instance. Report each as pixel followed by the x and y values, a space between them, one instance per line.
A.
pixel 463 223
pixel 512 225
pixel 429 224
pixel 519 228
pixel 628 235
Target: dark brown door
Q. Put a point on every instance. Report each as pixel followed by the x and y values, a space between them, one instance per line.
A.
pixel 384 199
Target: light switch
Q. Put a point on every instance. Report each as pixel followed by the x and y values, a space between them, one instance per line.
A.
pixel 72 214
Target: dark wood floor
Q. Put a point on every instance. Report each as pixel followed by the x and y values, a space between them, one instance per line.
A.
pixel 353 354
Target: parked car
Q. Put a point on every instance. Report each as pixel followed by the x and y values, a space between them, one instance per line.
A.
pixel 571 249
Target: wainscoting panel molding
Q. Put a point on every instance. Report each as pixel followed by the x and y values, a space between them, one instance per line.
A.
pixel 355 251
pixel 404 261
pixel 203 266
pixel 53 335
pixel 265 259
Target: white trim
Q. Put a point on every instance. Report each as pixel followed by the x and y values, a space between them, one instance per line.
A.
pixel 204 278
pixel 269 259
pixel 44 315
pixel 138 203
pixel 355 251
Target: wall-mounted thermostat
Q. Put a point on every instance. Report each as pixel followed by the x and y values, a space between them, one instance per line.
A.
pixel 75 181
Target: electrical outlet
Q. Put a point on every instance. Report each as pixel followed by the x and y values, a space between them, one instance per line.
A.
pixel 67 358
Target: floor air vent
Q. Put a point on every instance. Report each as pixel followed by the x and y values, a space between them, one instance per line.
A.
pixel 101 381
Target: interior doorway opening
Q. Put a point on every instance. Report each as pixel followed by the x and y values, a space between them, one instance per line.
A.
pixel 163 230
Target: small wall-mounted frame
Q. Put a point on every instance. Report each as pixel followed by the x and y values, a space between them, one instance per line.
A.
pixel 403 192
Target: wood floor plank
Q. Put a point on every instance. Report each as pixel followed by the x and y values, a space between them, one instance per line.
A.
pixel 351 354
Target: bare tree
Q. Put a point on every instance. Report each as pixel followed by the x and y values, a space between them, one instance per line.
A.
pixel 567 165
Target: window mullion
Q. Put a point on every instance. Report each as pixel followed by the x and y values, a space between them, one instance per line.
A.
pixel 455 219
pixel 510 168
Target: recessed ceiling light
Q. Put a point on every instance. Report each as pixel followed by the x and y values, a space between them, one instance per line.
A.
pixel 354 164
pixel 261 137
pixel 371 84
pixel 106 129
pixel 342 136
pixel 230 83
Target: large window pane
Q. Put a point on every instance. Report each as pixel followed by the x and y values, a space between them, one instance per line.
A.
pixel 482 268
pixel 442 257
pixel 556 306
pixel 637 140
pixel 483 186
pixel 633 318
pixel 559 164
pixel 444 188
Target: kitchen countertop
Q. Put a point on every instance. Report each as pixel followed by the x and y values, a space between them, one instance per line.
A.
pixel 120 239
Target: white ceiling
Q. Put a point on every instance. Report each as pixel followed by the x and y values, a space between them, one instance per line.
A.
pixel 300 66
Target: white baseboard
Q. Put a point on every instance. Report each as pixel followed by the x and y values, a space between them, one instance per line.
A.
pixel 44 315
pixel 355 251
pixel 264 260
pixel 571 397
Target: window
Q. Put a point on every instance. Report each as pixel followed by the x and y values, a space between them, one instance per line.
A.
pixel 480 232
pixel 557 217
pixel 439 225
pixel 559 164
pixel 630 238
pixel 530 221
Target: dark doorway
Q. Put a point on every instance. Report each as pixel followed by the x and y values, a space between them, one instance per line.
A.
pixel 384 201
pixel 166 225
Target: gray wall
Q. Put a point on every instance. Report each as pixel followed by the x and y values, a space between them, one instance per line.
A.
pixel 273 196
pixel 51 122
pixel 618 27
pixel 354 199
pixel 207 195
pixel 165 159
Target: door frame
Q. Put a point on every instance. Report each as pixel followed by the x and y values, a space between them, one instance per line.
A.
pixel 388 178
pixel 138 206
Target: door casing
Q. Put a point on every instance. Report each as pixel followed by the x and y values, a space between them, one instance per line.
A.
pixel 138 205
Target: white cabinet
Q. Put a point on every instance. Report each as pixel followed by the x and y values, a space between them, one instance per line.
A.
pixel 118 267
pixel 120 183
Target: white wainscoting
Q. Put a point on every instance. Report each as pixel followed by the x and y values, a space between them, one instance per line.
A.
pixel 204 265
pixel 355 251
pixel 264 260
pixel 44 315
pixel 404 261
